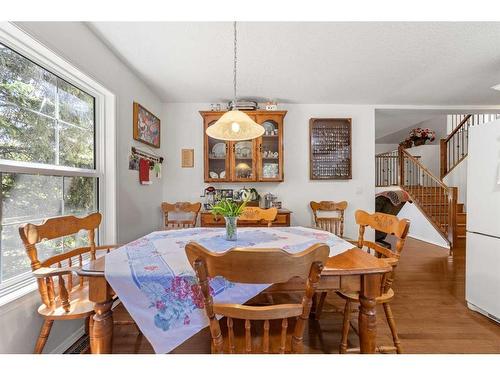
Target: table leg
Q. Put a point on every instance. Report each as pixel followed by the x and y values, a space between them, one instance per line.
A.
pixel 101 334
pixel 370 290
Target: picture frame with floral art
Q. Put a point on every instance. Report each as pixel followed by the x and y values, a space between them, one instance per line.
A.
pixel 146 126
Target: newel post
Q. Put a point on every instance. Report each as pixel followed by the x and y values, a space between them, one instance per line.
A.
pixel 443 157
pixel 452 215
pixel 401 166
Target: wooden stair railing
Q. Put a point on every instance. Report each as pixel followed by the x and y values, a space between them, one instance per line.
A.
pixel 434 198
pixel 454 148
pixel 387 169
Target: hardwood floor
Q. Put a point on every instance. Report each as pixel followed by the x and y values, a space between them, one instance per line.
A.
pixel 429 308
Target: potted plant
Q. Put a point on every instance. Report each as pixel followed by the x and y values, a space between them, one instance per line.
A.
pixel 230 210
pixel 420 136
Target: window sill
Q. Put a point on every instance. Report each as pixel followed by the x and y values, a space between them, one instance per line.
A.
pixel 13 299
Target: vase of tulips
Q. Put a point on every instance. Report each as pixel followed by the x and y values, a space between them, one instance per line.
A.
pixel 230 210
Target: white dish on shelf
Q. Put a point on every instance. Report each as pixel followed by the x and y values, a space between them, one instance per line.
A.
pixel 213 174
pixel 219 150
pixel 270 170
pixel 243 149
pixel 268 127
pixel 222 174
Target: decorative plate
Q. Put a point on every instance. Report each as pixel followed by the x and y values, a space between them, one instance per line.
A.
pixel 243 149
pixel 219 150
pixel 223 174
pixel 213 175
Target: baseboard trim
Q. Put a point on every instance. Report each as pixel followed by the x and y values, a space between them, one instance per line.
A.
pixel 70 340
pixel 431 242
pixel 479 310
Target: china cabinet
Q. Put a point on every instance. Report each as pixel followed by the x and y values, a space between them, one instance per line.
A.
pixel 256 160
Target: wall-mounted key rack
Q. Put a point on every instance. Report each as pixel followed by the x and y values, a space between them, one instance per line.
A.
pixel 147 155
pixel 330 148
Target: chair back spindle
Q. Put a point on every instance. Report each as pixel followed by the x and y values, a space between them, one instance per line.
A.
pixel 180 214
pixel 333 224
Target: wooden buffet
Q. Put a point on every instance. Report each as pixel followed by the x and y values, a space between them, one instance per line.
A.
pixel 257 160
pixel 207 219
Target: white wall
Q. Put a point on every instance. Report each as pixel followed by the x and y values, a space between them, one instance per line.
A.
pixel 420 227
pixel 137 206
pixel 458 178
pixel 430 156
pixel 185 130
pixel 438 123
pixel 385 147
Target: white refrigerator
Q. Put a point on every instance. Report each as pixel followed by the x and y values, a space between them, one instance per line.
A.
pixel 482 275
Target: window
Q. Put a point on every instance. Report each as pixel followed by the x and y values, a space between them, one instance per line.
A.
pixel 48 158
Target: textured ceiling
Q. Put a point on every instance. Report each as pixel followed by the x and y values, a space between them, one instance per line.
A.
pixel 392 124
pixel 360 63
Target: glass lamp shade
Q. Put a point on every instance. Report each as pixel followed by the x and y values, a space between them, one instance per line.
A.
pixel 235 126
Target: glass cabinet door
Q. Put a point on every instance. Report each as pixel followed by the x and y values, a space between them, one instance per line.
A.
pixel 244 161
pixel 216 157
pixel 270 149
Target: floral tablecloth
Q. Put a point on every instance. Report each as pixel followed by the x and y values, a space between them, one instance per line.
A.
pixel 157 285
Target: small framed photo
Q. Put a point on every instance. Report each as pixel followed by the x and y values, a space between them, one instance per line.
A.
pixel 146 126
pixel 187 158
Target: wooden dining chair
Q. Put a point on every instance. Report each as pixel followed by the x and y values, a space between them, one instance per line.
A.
pixel 180 214
pixel 328 216
pixel 259 215
pixel 64 295
pixel 392 226
pixel 333 224
pixel 257 329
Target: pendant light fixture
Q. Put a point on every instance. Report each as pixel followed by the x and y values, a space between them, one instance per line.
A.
pixel 235 125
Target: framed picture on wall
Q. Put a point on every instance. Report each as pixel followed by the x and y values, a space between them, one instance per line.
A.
pixel 146 126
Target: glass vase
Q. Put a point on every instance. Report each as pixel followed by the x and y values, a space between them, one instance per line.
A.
pixel 231 226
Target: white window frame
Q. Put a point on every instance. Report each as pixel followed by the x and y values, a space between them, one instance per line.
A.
pixel 105 143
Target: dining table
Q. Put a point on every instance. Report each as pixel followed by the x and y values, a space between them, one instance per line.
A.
pixel 154 280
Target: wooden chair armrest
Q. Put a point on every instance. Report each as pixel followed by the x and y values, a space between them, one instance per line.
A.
pixel 391 261
pixel 50 272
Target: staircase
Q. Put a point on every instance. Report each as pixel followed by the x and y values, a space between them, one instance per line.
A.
pixel 454 148
pixel 437 201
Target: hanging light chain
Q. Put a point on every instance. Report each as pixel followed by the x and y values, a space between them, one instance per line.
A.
pixel 234 66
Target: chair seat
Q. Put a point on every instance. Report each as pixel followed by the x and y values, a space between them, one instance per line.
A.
pixel 354 296
pixel 257 330
pixel 80 306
